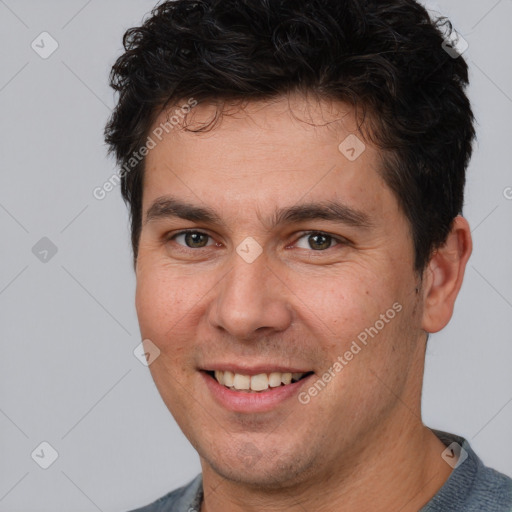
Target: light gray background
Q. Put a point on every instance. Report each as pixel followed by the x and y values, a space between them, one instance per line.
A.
pixel 69 328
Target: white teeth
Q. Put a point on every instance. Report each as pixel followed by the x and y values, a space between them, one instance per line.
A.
pixel 229 377
pixel 241 381
pixel 260 382
pixel 219 376
pixel 286 378
pixel 274 379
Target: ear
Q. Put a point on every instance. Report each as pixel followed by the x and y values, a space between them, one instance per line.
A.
pixel 443 276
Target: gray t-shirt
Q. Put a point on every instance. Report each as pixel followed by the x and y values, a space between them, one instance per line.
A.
pixel 471 487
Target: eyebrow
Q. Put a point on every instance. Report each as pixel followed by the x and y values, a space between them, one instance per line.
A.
pixel 169 207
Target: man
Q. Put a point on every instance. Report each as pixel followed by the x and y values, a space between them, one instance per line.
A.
pixel 295 175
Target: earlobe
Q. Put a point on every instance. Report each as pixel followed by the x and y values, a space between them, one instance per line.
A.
pixel 443 276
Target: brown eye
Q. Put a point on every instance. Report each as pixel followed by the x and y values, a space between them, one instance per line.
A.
pixel 318 241
pixel 192 239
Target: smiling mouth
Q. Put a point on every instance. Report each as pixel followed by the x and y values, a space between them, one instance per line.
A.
pixel 256 383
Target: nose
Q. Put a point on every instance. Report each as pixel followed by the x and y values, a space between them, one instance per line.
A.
pixel 251 301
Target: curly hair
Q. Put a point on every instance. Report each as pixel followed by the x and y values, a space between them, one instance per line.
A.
pixel 383 56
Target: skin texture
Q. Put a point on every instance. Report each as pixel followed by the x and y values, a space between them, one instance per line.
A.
pixel 360 443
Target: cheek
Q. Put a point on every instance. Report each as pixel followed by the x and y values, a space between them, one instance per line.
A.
pixel 344 301
pixel 170 304
pixel 159 302
pixel 358 314
pixel 159 308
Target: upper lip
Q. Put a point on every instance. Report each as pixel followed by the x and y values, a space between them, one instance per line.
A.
pixel 254 369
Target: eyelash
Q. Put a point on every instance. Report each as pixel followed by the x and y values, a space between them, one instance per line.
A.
pixel 340 241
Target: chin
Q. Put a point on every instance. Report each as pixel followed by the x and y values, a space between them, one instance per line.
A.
pixel 257 469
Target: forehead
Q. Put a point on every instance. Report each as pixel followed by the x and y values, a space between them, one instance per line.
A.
pixel 277 124
pixel 282 152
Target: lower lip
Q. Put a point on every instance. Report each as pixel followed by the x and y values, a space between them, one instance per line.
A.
pixel 262 401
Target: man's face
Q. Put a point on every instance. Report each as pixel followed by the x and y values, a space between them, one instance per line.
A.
pixel 210 300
